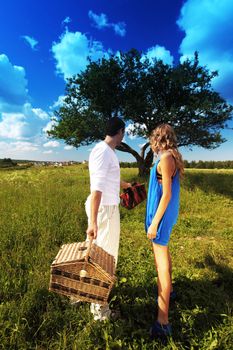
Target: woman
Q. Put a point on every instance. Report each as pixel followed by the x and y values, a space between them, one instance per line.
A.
pixel 161 214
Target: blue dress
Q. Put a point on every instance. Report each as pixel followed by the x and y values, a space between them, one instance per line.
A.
pixel 171 214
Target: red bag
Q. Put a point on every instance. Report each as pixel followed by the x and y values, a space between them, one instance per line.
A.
pixel 132 196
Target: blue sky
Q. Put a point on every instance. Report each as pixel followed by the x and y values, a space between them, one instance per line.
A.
pixel 43 42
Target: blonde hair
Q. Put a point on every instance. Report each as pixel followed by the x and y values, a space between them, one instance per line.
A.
pixel 163 138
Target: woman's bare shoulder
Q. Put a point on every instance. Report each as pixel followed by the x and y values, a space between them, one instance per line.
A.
pixel 166 156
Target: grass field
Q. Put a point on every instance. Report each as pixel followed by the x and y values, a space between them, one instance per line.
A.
pixel 40 209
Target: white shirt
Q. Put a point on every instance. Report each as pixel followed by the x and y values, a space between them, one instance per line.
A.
pixel 104 171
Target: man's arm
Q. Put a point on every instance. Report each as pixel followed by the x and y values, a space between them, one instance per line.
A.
pixel 98 167
pixel 92 229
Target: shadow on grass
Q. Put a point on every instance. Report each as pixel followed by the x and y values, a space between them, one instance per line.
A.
pixel 199 308
pixel 218 183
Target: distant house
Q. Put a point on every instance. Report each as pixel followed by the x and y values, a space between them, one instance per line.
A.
pixel 58 164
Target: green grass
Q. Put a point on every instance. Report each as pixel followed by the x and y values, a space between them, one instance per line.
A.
pixel 40 209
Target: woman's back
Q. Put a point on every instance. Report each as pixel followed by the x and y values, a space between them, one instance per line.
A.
pixel 155 192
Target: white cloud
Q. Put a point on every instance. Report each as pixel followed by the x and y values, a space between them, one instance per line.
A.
pixel 22 125
pixel 132 129
pixel 13 86
pixel 40 113
pixel 31 41
pixel 129 131
pixel 72 51
pixel 208 26
pixel 49 126
pixel 51 144
pixel 25 146
pixel 119 28
pixel 15 148
pixel 160 53
pixel 68 148
pixel 101 21
pixel 13 126
pixel 58 103
pixel 26 123
pixel 19 120
pixel 66 20
pixel 48 152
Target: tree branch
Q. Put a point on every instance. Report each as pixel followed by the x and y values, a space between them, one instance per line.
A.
pixel 149 158
pixel 126 148
pixel 143 149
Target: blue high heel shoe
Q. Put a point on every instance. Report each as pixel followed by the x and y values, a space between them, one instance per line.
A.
pixel 161 331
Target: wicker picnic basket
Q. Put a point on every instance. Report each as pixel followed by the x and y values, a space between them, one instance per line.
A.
pixel 83 271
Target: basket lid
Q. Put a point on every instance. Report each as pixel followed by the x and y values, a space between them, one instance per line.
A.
pixel 76 252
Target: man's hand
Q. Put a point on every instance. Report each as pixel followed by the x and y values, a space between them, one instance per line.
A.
pixel 152 231
pixel 92 230
pixel 95 203
pixel 125 185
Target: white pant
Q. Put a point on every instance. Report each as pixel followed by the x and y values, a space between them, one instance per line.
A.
pixel 108 237
pixel 108 221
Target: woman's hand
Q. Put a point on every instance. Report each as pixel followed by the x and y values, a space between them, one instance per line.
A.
pixel 152 231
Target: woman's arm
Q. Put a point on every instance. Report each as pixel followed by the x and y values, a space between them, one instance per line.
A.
pixel 167 169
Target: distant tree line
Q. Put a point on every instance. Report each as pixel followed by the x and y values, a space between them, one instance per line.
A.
pixel 128 164
pixel 211 164
pixel 7 163
pixel 227 164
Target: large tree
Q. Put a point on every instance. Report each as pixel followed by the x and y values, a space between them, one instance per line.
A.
pixel 145 93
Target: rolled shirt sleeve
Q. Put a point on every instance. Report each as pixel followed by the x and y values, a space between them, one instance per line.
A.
pixel 98 166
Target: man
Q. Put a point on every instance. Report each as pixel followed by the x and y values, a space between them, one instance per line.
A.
pixel 102 204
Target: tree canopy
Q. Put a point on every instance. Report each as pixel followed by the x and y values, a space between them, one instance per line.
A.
pixel 145 93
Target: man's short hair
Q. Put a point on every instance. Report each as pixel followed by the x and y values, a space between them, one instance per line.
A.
pixel 114 125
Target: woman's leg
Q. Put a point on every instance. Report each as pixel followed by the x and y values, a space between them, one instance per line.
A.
pixel 161 254
pixel 170 268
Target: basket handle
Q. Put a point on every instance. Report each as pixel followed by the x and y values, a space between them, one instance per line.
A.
pixel 83 272
pixel 88 249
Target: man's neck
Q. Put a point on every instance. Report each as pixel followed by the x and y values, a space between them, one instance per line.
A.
pixel 111 142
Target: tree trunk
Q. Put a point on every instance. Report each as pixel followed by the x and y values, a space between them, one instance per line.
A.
pixel 143 170
pixel 144 165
